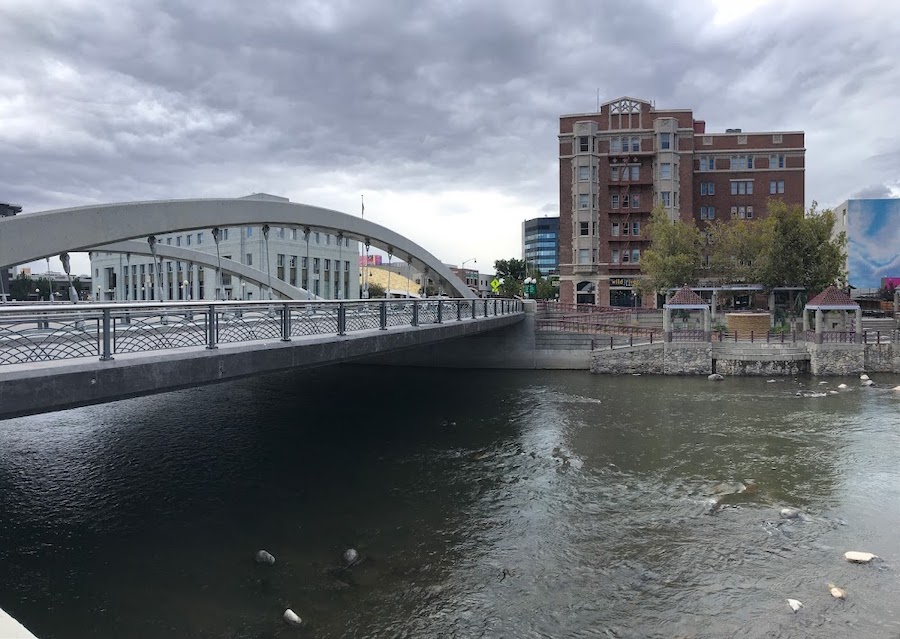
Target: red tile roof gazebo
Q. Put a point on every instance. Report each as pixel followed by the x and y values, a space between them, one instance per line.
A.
pixel 834 299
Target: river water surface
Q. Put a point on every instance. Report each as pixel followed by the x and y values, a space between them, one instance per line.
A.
pixel 484 504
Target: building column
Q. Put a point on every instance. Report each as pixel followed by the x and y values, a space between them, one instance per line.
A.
pixel 707 328
pixel 772 309
pixel 195 282
pixel 667 325
pixel 714 304
pixel 858 335
pixel 805 320
pixel 819 322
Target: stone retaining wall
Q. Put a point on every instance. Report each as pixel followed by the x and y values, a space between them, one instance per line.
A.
pixel 646 358
pixel 836 359
pixel 882 358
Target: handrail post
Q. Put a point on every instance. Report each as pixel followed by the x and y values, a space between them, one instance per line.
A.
pixel 342 319
pixel 106 355
pixel 440 312
pixel 458 310
pixel 382 320
pixel 495 308
pixel 415 313
pixel 286 323
pixel 474 311
pixel 211 327
pixel 751 337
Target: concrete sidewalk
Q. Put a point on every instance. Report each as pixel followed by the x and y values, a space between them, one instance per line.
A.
pixel 12 629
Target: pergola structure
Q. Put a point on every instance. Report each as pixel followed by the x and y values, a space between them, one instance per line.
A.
pixel 685 300
pixel 832 299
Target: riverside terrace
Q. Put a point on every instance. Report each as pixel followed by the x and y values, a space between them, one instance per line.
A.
pixel 60 356
pixel 631 341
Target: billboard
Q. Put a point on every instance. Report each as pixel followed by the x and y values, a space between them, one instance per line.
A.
pixel 873 241
pixel 370 260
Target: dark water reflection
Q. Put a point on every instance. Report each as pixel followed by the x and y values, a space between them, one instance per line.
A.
pixel 494 504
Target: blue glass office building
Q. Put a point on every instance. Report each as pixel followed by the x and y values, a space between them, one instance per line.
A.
pixel 540 244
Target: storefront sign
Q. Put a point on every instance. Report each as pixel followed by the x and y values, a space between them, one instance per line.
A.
pixel 621 281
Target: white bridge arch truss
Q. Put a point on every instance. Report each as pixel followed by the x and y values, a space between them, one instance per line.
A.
pixel 34 236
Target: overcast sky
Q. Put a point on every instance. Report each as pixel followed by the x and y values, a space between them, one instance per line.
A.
pixel 444 114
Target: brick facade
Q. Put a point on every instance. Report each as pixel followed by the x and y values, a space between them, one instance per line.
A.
pixel 630 153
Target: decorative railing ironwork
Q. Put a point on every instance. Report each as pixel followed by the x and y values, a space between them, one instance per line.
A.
pixel 38 333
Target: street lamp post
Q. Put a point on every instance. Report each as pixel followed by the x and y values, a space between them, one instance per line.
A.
pixel 462 267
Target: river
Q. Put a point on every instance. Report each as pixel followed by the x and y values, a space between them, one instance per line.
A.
pixel 482 503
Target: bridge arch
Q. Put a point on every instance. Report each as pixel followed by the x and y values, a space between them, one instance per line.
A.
pixel 34 236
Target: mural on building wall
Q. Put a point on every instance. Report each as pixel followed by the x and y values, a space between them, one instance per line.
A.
pixel 873 247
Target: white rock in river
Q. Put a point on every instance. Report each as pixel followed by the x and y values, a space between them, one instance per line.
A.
pixel 715 377
pixel 264 557
pixel 292 617
pixel 864 377
pixel 868 382
pixel 842 386
pixel 771 381
pixel 836 592
pixel 794 604
pixel 897 389
pixel 351 556
pixel 859 557
pixel 790 513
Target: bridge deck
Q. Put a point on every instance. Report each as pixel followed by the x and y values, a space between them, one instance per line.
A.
pixel 42 385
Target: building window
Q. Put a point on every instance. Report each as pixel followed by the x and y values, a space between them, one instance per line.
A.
pixel 776 186
pixel 626 256
pixel 280 260
pixel 584 173
pixel 583 201
pixel 615 229
pixel 635 200
pixel 742 212
pixel 635 172
pixel 293 234
pixel 665 171
pixel 742 187
pixel 224 234
pixel 665 141
pixel 614 258
pixel 249 231
pixel 625 228
pixel 614 174
pixel 635 144
pixel 776 161
pixel 316 263
pixel 635 228
pixel 614 201
pixel 734 211
pixel 707 212
pixel 199 238
pixel 707 140
pixel 742 139
pixel 665 198
pixel 749 212
pixel 741 162
pixel 584 256
pixel 584 228
pixel 168 240
pixel 584 144
pixel 187 239
pixel 625 201
pixel 249 261
pixel 707 163
pixel 707 188
pixel 615 145
pixel 635 256
pixel 776 138
pixel 178 241
pixel 318 238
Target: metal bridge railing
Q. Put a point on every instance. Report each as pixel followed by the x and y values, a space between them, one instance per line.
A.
pixel 40 333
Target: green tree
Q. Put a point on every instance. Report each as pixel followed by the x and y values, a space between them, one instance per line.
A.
pixel 738 250
pixel 675 254
pixel 804 250
pixel 375 290
pixel 23 286
pixel 512 272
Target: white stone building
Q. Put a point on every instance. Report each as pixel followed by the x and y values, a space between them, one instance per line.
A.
pixel 317 262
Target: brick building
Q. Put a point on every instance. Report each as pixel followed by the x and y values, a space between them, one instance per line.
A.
pixel 617 164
